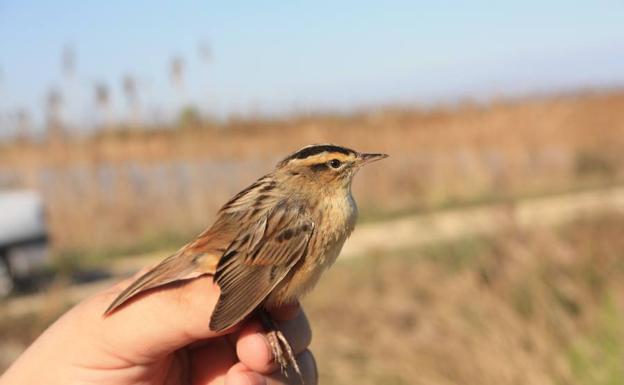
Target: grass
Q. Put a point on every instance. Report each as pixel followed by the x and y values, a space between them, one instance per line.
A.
pixel 67 260
pixel 111 191
pixel 538 307
pixel 514 308
pixel 597 358
pixel 376 214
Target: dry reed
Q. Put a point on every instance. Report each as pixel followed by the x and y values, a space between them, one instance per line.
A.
pixel 122 188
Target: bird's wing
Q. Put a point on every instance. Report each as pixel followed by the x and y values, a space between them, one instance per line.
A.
pixel 258 260
pixel 193 260
pixel 203 254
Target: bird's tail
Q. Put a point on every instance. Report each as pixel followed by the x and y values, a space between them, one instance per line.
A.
pixel 176 267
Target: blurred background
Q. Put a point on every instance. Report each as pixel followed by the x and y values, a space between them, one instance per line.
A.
pixel 490 246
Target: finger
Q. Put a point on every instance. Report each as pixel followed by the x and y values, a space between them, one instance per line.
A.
pixel 307 364
pixel 239 374
pixel 159 321
pixel 211 362
pixel 253 349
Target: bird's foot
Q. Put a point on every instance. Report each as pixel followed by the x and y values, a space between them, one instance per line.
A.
pixel 282 352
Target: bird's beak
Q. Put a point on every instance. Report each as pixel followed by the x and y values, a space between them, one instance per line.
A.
pixel 369 158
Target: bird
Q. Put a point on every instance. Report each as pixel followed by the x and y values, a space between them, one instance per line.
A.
pixel 271 242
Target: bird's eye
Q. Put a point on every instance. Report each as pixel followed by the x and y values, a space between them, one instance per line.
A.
pixel 334 163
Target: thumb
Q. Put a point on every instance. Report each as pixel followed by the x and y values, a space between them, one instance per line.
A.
pixel 157 322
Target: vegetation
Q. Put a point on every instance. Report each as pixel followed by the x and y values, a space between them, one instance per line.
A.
pixel 118 188
pixel 539 307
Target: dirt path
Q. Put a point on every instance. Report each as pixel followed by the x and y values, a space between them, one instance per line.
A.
pixel 443 225
pixel 395 234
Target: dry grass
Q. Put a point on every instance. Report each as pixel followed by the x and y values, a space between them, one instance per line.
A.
pixel 539 307
pixel 520 308
pixel 124 188
pixel 535 308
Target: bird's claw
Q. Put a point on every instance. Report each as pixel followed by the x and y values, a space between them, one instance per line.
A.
pixel 282 352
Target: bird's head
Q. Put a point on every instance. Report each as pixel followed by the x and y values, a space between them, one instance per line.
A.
pixel 326 165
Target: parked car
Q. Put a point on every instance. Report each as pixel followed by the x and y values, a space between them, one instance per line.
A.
pixel 23 238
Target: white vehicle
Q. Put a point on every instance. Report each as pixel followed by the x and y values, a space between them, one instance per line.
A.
pixel 23 237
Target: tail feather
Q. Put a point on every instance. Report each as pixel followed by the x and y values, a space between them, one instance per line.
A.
pixel 174 268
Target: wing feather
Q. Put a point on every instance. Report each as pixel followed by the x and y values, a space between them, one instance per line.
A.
pixel 168 271
pixel 204 254
pixel 193 260
pixel 249 270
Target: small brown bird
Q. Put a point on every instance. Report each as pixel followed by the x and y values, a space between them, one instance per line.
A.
pixel 271 242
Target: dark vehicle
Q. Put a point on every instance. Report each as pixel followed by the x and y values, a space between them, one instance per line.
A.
pixel 23 238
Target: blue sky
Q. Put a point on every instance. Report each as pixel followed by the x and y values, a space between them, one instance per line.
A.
pixel 277 57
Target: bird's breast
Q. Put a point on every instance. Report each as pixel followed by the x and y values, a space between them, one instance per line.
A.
pixel 334 222
pixel 333 229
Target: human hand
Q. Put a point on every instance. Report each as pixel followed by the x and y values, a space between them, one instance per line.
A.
pixel 161 339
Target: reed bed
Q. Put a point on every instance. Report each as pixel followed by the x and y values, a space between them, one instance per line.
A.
pixel 133 185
